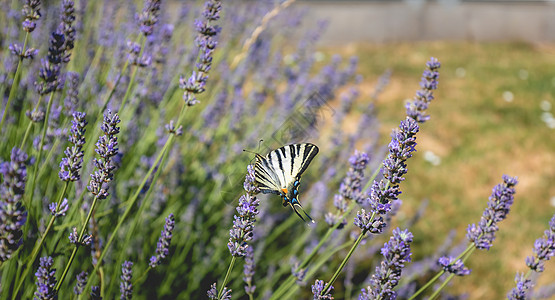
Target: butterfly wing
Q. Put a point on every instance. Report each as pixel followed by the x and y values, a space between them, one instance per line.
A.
pixel 265 176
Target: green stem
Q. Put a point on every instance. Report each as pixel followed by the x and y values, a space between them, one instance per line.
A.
pixel 443 285
pixel 79 240
pixel 429 283
pixel 15 83
pixel 37 162
pixel 343 263
pixel 30 125
pixel 132 79
pixel 39 244
pixel 226 278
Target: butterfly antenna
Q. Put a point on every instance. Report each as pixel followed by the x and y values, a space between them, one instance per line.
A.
pixel 296 207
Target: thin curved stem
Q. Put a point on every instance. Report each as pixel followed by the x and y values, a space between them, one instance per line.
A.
pixel 226 278
pixel 15 82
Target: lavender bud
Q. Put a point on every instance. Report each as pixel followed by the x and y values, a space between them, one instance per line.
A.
pixel 450 265
pixel 499 204
pixel 31 13
pixel 149 16
pixel 12 211
pixel 59 210
pixel 95 293
pixel 46 280
pixel 81 283
pixel 125 287
pixel 163 247
pixel 417 108
pixel 544 249
pixel 396 253
pixel 523 286
pixel 248 271
pixel 72 163
pixel 213 293
pixel 318 288
pixel 172 130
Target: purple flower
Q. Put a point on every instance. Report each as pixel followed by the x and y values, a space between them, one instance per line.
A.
pixel 31 13
pixel 46 280
pixel 72 163
pixel 213 293
pixel 72 94
pixel 243 223
pixel 81 282
pixel 365 222
pixel 58 210
pixel 134 50
pixel 523 285
pixel 95 293
pixel 16 49
pixel 106 148
pixel 248 271
pixel 206 43
pixel 449 264
pixel 68 17
pixel 12 213
pixel 163 247
pixel 544 249
pixel 416 109
pixel 173 130
pixel 74 238
pixel 396 253
pixel 149 16
pixel 499 204
pixel 318 288
pixel 125 287
pixel 49 72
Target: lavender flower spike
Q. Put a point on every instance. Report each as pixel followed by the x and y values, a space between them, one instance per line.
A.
pixel 523 286
pixel 72 163
pixel 149 16
pixel 12 213
pixel 243 224
pixel 248 271
pixel 318 287
pixel 163 248
pixel 31 12
pixel 46 281
pixel 81 282
pixel 106 148
pixel 499 204
pixel 396 253
pixel 544 249
pixel 213 293
pixel 416 109
pixel 450 265
pixel 49 72
pixel 126 288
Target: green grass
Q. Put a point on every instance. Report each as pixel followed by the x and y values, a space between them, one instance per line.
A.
pixel 479 137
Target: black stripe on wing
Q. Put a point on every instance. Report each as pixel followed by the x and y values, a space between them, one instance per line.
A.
pixel 265 177
pixel 307 152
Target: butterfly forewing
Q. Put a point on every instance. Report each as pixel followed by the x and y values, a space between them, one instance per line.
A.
pixel 283 166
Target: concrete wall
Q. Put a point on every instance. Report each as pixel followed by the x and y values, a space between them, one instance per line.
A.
pixel 413 20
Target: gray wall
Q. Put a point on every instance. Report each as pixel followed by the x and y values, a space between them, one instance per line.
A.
pixel 417 20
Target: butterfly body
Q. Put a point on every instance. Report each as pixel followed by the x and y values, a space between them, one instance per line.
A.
pixel 280 172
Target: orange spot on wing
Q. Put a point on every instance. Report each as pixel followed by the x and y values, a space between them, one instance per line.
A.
pixel 284 191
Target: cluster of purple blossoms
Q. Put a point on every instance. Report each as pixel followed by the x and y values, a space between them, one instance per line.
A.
pixel 12 213
pixel 499 204
pixel 49 72
pixel 125 287
pixel 59 210
pixel 17 50
pixel 163 247
pixel 243 223
pixel 95 293
pixel 396 253
pixel 416 109
pixel 81 279
pixel 72 93
pixel 149 16
pixel 74 238
pixel 206 43
pixel 453 266
pixel 213 293
pixel 523 286
pixel 350 188
pixel 134 50
pixel 544 249
pixel 72 163
pixel 31 13
pixel 170 127
pixel 248 271
pixel 317 289
pixel 401 147
pixel 106 148
pixel 68 17
pixel 46 280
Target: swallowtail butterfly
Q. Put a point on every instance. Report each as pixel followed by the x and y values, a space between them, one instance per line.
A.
pixel 280 173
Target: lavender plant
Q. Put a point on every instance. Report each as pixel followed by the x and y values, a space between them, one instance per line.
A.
pixel 172 99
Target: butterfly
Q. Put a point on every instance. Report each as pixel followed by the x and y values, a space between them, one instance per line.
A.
pixel 280 173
